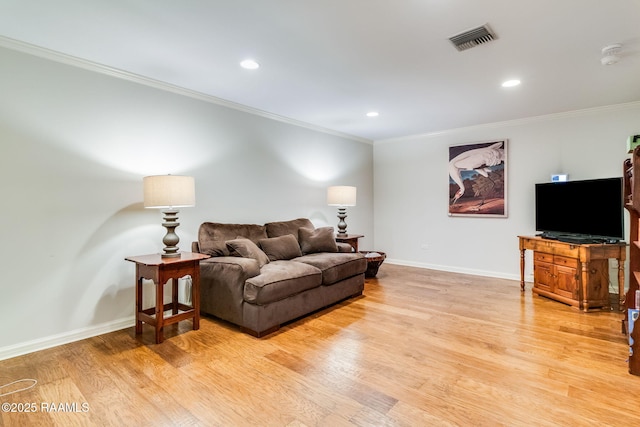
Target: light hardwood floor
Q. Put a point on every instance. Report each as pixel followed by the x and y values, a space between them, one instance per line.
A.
pixel 420 348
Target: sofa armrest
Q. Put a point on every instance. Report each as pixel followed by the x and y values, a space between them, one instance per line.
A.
pixel 195 247
pixel 230 268
pixel 222 285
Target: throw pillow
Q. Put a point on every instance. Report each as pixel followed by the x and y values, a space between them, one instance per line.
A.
pixel 318 240
pixel 247 249
pixel 283 247
pixel 215 249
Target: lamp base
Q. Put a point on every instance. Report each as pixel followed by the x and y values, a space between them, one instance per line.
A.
pixel 170 255
pixel 170 239
pixel 342 225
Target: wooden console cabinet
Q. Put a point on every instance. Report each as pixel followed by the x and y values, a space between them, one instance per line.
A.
pixel 575 274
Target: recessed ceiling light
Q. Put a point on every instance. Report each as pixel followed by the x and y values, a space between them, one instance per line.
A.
pixel 373 114
pixel 511 83
pixel 250 64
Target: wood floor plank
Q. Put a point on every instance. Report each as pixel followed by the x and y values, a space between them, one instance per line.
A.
pixel 420 347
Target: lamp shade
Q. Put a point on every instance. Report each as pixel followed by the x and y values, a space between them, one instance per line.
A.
pixel 341 195
pixel 165 191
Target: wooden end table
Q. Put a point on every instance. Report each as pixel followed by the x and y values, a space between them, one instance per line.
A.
pixel 160 270
pixel 351 239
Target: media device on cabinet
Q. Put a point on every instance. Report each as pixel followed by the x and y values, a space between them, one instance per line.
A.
pixel 584 211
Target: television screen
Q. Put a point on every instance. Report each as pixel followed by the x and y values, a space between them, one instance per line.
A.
pixel 590 209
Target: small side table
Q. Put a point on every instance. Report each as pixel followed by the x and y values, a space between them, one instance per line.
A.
pixel 160 270
pixel 374 261
pixel 351 239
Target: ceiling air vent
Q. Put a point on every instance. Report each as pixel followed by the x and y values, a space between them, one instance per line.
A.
pixel 473 37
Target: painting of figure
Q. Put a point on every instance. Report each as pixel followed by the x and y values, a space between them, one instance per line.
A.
pixel 478 179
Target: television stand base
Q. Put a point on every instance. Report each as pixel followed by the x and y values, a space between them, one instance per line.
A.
pixel 573 273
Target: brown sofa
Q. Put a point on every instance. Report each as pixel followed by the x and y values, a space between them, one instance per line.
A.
pixel 262 276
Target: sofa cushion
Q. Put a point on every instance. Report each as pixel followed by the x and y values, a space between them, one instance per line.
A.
pixel 335 266
pixel 247 249
pixel 283 247
pixel 318 240
pixel 212 236
pixel 282 228
pixel 279 280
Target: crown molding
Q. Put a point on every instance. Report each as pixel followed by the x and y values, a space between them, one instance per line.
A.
pixel 516 122
pixel 74 61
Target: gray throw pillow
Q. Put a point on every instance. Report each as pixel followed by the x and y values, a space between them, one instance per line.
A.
pixel 247 249
pixel 318 240
pixel 283 247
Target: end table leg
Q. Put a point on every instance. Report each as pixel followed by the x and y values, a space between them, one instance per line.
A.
pixel 195 297
pixel 138 305
pixel 522 270
pixel 174 295
pixel 159 311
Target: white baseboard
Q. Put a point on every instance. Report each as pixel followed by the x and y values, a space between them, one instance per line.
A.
pixel 459 270
pixel 65 338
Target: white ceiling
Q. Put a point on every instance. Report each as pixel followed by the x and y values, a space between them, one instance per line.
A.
pixel 328 62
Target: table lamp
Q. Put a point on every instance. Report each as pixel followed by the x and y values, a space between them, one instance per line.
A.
pixel 169 192
pixel 341 196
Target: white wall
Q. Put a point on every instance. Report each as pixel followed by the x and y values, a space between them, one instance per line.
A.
pixel 75 146
pixel 411 187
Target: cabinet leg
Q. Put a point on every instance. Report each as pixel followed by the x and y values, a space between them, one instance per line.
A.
pixel 584 301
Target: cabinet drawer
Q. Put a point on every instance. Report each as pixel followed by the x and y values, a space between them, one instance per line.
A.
pixel 567 262
pixel 541 256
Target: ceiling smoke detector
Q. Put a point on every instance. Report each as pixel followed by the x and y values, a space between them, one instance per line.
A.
pixel 473 37
pixel 611 54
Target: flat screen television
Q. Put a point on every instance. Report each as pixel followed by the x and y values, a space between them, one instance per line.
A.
pixel 587 211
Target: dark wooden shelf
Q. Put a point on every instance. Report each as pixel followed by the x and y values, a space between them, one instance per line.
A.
pixel 631 179
pixel 637 275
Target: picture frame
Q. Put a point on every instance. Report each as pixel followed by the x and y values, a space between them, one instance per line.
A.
pixel 478 179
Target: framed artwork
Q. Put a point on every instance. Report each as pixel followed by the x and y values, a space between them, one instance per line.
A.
pixel 478 179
